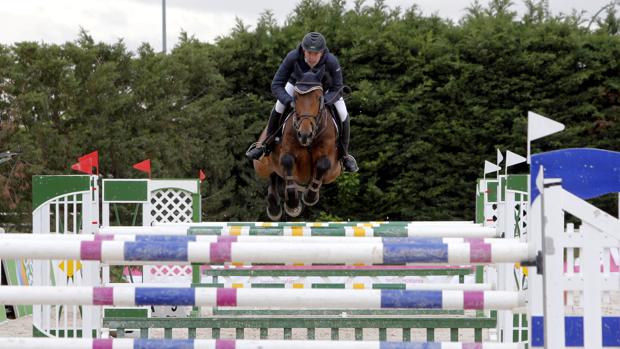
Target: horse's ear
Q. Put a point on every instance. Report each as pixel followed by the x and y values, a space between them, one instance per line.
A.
pixel 319 74
pixel 297 72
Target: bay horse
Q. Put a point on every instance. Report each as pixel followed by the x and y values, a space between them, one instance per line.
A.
pixel 307 156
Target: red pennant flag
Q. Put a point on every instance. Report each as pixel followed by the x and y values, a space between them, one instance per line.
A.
pixel 144 166
pixel 91 159
pixel 82 167
pixel 201 176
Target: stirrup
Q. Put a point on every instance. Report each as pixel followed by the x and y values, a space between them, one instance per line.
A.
pixel 255 151
pixel 252 146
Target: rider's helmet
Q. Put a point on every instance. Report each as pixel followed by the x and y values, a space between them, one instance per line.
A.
pixel 314 42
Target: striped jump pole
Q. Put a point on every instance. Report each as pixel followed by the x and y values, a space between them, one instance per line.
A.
pixel 336 285
pixel 249 239
pixel 452 230
pixel 183 228
pixel 359 285
pixel 263 298
pixel 291 224
pixel 125 343
pixel 317 224
pixel 273 253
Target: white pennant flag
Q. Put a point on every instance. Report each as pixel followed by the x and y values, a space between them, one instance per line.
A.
pixel 500 157
pixel 539 126
pixel 513 159
pixel 490 167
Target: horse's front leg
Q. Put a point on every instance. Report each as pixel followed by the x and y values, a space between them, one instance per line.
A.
pixel 292 205
pixel 311 196
pixel 274 209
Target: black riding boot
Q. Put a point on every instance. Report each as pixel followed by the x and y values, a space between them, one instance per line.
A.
pixel 348 161
pixel 257 150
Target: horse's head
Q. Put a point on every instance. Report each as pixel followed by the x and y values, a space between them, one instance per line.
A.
pixel 309 105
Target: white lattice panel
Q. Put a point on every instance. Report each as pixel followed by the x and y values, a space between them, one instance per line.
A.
pixel 163 273
pixel 171 206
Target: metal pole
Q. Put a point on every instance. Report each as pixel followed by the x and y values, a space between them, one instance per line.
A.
pixel 163 25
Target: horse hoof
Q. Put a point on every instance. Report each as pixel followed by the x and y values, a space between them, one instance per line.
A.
pixel 307 202
pixel 293 212
pixel 274 217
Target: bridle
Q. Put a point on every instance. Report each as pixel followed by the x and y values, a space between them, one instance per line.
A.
pixel 315 119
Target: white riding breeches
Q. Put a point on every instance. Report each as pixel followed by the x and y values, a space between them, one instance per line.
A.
pixel 340 105
pixel 290 89
pixel 343 114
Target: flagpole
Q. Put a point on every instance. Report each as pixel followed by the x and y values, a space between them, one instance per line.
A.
pixel 163 26
pixel 500 158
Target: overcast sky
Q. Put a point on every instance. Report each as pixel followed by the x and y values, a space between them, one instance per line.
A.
pixel 137 21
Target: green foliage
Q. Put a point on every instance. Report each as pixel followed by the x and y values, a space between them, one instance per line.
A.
pixel 430 101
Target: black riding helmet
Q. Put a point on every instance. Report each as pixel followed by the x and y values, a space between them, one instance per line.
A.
pixel 313 42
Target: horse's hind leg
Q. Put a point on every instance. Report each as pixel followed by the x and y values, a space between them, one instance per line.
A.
pixel 311 196
pixel 292 204
pixel 274 208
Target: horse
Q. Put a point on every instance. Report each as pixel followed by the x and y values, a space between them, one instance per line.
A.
pixel 307 155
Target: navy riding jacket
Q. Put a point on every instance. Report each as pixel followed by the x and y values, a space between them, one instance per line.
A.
pixel 332 80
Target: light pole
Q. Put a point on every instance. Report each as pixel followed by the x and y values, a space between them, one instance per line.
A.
pixel 163 25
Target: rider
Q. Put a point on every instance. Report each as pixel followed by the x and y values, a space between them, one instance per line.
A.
pixel 312 53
